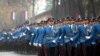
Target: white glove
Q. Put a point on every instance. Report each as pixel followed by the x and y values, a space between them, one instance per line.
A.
pixel 8 38
pixel 24 34
pixel 1 38
pixel 54 41
pixel 40 45
pixel 61 44
pixel 71 39
pixel 11 33
pixel 87 37
pixel 21 35
pixel 93 43
pixel 14 37
pixel 4 33
pixel 32 34
pixel 35 44
pixel 60 37
pixel 28 28
pixel 29 43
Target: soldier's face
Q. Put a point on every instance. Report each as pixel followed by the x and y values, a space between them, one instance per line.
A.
pixel 76 23
pixel 87 22
pixel 90 23
pixel 50 23
pixel 64 22
pixel 81 22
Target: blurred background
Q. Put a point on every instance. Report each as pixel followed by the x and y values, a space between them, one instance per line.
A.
pixel 15 12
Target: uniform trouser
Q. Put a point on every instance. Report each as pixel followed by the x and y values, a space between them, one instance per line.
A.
pixel 69 50
pixel 98 48
pixel 34 50
pixel 62 50
pixel 46 50
pixel 78 51
pixel 57 50
pixel 84 51
pixel 40 51
pixel 81 50
pixel 89 50
pixel 94 53
pixel 52 51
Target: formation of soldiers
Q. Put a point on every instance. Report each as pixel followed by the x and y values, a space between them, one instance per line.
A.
pixel 66 37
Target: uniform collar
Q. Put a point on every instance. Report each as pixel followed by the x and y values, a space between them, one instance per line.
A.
pixel 85 25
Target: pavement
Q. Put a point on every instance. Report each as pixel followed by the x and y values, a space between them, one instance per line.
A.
pixel 13 54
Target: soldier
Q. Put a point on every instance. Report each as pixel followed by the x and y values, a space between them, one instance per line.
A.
pixel 49 46
pixel 78 43
pixel 89 37
pixel 83 35
pixel 55 45
pixel 39 40
pixel 68 34
pixel 22 40
pixel 77 48
pixel 5 41
pixel 97 35
pixel 52 42
pixel 35 35
pixel 32 37
pixel 15 35
pixel 74 38
pixel 71 35
pixel 61 40
pixel 1 40
pixel 9 39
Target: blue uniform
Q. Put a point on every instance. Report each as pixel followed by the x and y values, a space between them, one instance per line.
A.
pixel 40 36
pixel 28 35
pixel 75 31
pixel 89 37
pixel 57 34
pixel 68 33
pixel 49 36
pixel 82 34
pixel 1 34
pixel 10 38
pixel 97 32
pixel 32 34
pixel 35 36
pixel 60 36
pixel 18 35
pixel 4 35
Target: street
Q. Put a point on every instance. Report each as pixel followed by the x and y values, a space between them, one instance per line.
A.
pixel 12 54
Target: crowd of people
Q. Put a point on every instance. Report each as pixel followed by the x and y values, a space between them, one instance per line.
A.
pixel 65 37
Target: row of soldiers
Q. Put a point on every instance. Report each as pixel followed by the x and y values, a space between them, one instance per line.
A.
pixel 66 37
pixel 17 39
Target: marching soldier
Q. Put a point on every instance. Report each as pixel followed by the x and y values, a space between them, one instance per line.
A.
pixel 61 40
pixel 83 35
pixel 32 37
pixel 40 39
pixel 74 38
pixel 49 46
pixel 97 35
pixel 71 33
pixel 1 40
pixel 89 37
pixel 5 41
pixel 78 43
